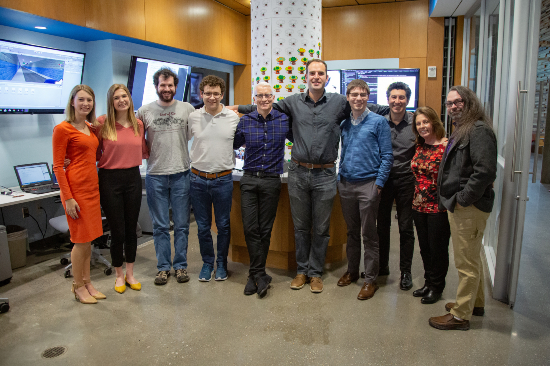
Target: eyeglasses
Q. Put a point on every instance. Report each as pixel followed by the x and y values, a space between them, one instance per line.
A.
pixel 209 94
pixel 357 95
pixel 264 96
pixel 458 103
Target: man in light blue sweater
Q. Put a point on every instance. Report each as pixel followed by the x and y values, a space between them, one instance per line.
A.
pixel 365 164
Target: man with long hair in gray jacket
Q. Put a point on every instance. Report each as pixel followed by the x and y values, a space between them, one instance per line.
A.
pixel 465 188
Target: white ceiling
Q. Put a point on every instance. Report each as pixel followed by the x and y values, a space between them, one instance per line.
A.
pixel 452 8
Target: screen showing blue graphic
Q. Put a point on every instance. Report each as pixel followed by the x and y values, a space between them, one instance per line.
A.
pixel 140 80
pixel 379 80
pixel 35 79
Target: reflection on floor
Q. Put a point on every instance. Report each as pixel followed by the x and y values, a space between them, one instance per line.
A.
pixel 199 323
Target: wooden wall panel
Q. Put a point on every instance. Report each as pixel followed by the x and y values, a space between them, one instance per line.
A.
pixel 333 3
pixel 417 63
pixel 458 49
pixel 242 75
pixel 70 11
pixel 128 19
pixel 201 26
pixel 413 28
pixel 434 57
pixel 358 32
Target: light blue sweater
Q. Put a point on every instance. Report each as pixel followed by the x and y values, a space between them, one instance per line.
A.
pixel 366 150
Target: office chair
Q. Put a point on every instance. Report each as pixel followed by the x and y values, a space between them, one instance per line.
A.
pixel 60 224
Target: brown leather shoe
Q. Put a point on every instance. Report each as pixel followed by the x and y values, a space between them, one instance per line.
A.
pixel 299 281
pixel 316 284
pixel 347 279
pixel 478 311
pixel 367 291
pixel 449 322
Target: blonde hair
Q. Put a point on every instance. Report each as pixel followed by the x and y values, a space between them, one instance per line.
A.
pixel 108 131
pixel 69 110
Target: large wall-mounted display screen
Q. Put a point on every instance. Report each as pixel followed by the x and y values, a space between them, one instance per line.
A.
pixel 140 80
pixel 35 79
pixel 379 80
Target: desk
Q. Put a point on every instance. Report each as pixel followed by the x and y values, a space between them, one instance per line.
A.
pixel 11 200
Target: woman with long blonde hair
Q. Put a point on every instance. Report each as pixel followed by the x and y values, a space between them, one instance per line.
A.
pixel 121 149
pixel 73 139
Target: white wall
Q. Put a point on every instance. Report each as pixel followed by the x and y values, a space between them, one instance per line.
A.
pixel 27 138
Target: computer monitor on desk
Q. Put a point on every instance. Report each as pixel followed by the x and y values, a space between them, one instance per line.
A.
pixel 34 178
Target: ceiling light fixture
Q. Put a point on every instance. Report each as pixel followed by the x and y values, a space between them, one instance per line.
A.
pixel 37 27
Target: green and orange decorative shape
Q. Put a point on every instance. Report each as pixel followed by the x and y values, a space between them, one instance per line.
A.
pixel 293 60
pixel 280 98
pixel 302 51
pixel 304 60
pixel 258 80
pixel 266 78
pixel 280 60
pixel 277 69
pixel 302 88
pixel 293 78
pixel 289 87
pixel 311 52
pixel 289 69
pixel 263 70
pixel 281 78
pixel 302 69
pixel 277 88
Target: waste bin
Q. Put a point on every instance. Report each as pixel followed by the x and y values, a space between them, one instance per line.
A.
pixel 17 242
pixel 5 263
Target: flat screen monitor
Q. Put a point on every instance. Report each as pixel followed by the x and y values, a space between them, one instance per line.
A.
pixel 35 79
pixel 140 80
pixel 379 80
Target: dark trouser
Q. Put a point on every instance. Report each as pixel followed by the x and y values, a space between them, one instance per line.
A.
pixel 360 208
pixel 120 195
pixel 433 232
pixel 259 201
pixel 311 193
pixel 402 191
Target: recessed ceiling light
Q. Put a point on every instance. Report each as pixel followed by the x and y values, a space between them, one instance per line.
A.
pixel 41 27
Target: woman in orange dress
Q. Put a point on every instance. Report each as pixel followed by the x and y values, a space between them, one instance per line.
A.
pixel 73 139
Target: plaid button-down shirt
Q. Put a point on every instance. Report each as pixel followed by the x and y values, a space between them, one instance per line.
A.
pixel 264 140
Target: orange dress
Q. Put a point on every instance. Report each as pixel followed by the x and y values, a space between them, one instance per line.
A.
pixel 79 180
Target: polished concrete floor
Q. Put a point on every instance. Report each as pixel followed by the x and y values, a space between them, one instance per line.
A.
pixel 200 323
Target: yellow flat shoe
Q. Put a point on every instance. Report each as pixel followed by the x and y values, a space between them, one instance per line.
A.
pixel 135 286
pixel 120 289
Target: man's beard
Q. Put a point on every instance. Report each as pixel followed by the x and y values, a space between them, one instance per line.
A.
pixel 456 117
pixel 165 100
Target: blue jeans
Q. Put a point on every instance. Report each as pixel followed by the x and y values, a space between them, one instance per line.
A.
pixel 163 192
pixel 205 193
pixel 311 193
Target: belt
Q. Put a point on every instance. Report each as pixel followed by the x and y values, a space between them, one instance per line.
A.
pixel 211 175
pixel 314 166
pixel 261 174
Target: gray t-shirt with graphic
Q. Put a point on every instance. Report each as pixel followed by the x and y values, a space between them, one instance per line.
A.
pixel 166 133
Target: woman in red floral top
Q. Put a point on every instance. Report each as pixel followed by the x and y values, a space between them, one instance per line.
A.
pixel 432 224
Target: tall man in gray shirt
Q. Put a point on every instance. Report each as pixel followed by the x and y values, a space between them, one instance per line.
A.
pixel 399 186
pixel 316 117
pixel 167 179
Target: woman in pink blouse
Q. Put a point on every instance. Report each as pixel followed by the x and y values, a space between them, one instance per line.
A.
pixel 431 222
pixel 121 149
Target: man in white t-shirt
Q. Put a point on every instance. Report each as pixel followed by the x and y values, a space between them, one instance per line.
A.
pixel 167 179
pixel 212 160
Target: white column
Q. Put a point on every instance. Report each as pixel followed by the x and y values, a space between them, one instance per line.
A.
pixel 285 35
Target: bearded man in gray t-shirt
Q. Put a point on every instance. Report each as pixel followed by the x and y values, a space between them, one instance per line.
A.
pixel 167 179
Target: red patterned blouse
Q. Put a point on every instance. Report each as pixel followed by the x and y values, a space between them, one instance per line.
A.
pixel 425 166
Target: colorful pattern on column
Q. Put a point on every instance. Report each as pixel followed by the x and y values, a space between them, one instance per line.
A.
pixel 285 35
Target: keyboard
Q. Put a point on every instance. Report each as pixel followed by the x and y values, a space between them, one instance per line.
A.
pixel 39 190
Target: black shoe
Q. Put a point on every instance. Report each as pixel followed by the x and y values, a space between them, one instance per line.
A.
pixel 263 285
pixel 431 297
pixel 406 282
pixel 384 271
pixel 421 292
pixel 250 288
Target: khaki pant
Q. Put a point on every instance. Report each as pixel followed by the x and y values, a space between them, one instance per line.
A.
pixel 467 226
